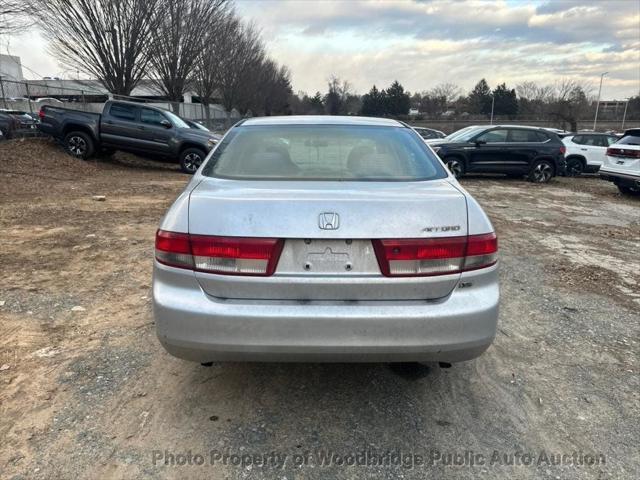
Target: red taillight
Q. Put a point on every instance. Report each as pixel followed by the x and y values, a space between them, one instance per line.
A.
pixel 41 114
pixel 563 150
pixel 622 152
pixel 174 249
pixel 435 256
pixel 482 251
pixel 236 256
pixel 223 255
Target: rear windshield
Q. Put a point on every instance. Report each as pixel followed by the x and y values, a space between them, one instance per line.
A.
pixel 629 140
pixel 323 152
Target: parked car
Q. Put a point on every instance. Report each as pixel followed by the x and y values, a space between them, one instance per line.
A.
pixel 458 133
pixel 586 151
pixel 196 125
pixel 561 133
pixel 193 124
pixel 131 127
pixel 512 150
pixel 622 163
pixel 25 121
pixel 49 100
pixel 325 238
pixel 429 133
pixel 8 125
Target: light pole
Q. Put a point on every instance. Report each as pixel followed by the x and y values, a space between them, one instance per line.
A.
pixel 624 115
pixel 493 99
pixel 595 120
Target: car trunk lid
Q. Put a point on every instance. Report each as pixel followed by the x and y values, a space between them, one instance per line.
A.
pixel 327 229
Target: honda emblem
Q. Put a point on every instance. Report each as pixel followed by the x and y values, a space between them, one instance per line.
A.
pixel 329 221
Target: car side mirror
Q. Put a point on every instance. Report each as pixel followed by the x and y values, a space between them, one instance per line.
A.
pixel 165 123
pixel 480 142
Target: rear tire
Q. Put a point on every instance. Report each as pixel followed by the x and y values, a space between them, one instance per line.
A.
pixel 632 191
pixel 455 166
pixel 6 134
pixel 79 145
pixel 191 159
pixel 575 167
pixel 541 172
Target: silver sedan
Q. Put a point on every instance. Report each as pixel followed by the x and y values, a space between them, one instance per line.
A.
pixel 325 239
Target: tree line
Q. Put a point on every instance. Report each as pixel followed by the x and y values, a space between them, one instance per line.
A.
pixel 565 101
pixel 180 45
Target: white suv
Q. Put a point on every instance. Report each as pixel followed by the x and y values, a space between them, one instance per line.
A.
pixel 622 163
pixel 586 151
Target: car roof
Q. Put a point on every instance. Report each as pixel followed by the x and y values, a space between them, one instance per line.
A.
pixel 322 120
pixel 519 126
pixel 592 133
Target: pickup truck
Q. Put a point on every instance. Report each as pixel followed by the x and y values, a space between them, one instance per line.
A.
pixel 128 126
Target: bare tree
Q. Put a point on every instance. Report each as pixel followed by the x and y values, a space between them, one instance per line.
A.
pixel 13 15
pixel 179 41
pixel 242 67
pixel 206 76
pixel 570 101
pixel 336 98
pixel 106 39
pixel 532 91
pixel 235 69
pixel 276 92
pixel 239 52
pixel 447 91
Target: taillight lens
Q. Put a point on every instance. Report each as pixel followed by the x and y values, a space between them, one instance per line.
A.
pixel 223 255
pixel 174 249
pixel 41 114
pixel 563 150
pixel 435 256
pixel 482 251
pixel 622 152
pixel 236 256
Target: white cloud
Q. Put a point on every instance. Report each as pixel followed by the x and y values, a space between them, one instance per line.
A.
pixel 423 43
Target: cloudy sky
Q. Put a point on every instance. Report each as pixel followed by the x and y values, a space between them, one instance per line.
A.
pixel 424 43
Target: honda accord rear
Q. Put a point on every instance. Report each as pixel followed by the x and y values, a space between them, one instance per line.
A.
pixel 325 239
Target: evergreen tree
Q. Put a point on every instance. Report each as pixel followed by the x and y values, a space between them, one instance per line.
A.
pixel 480 98
pixel 398 101
pixel 506 102
pixel 373 103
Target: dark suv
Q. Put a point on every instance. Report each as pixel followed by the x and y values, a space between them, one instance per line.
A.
pixel 512 150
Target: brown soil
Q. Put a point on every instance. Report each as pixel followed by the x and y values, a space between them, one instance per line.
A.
pixel 90 393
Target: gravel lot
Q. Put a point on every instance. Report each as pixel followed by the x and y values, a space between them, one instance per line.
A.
pixel 88 392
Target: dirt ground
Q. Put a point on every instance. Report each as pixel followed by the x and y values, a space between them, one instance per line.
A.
pixel 86 391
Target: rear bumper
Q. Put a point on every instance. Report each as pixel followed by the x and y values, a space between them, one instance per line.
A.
pixel 194 326
pixel 620 178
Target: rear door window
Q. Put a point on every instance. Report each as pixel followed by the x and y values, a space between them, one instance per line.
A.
pixel 541 136
pixel 493 136
pixel 152 117
pixel 124 112
pixel 518 135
